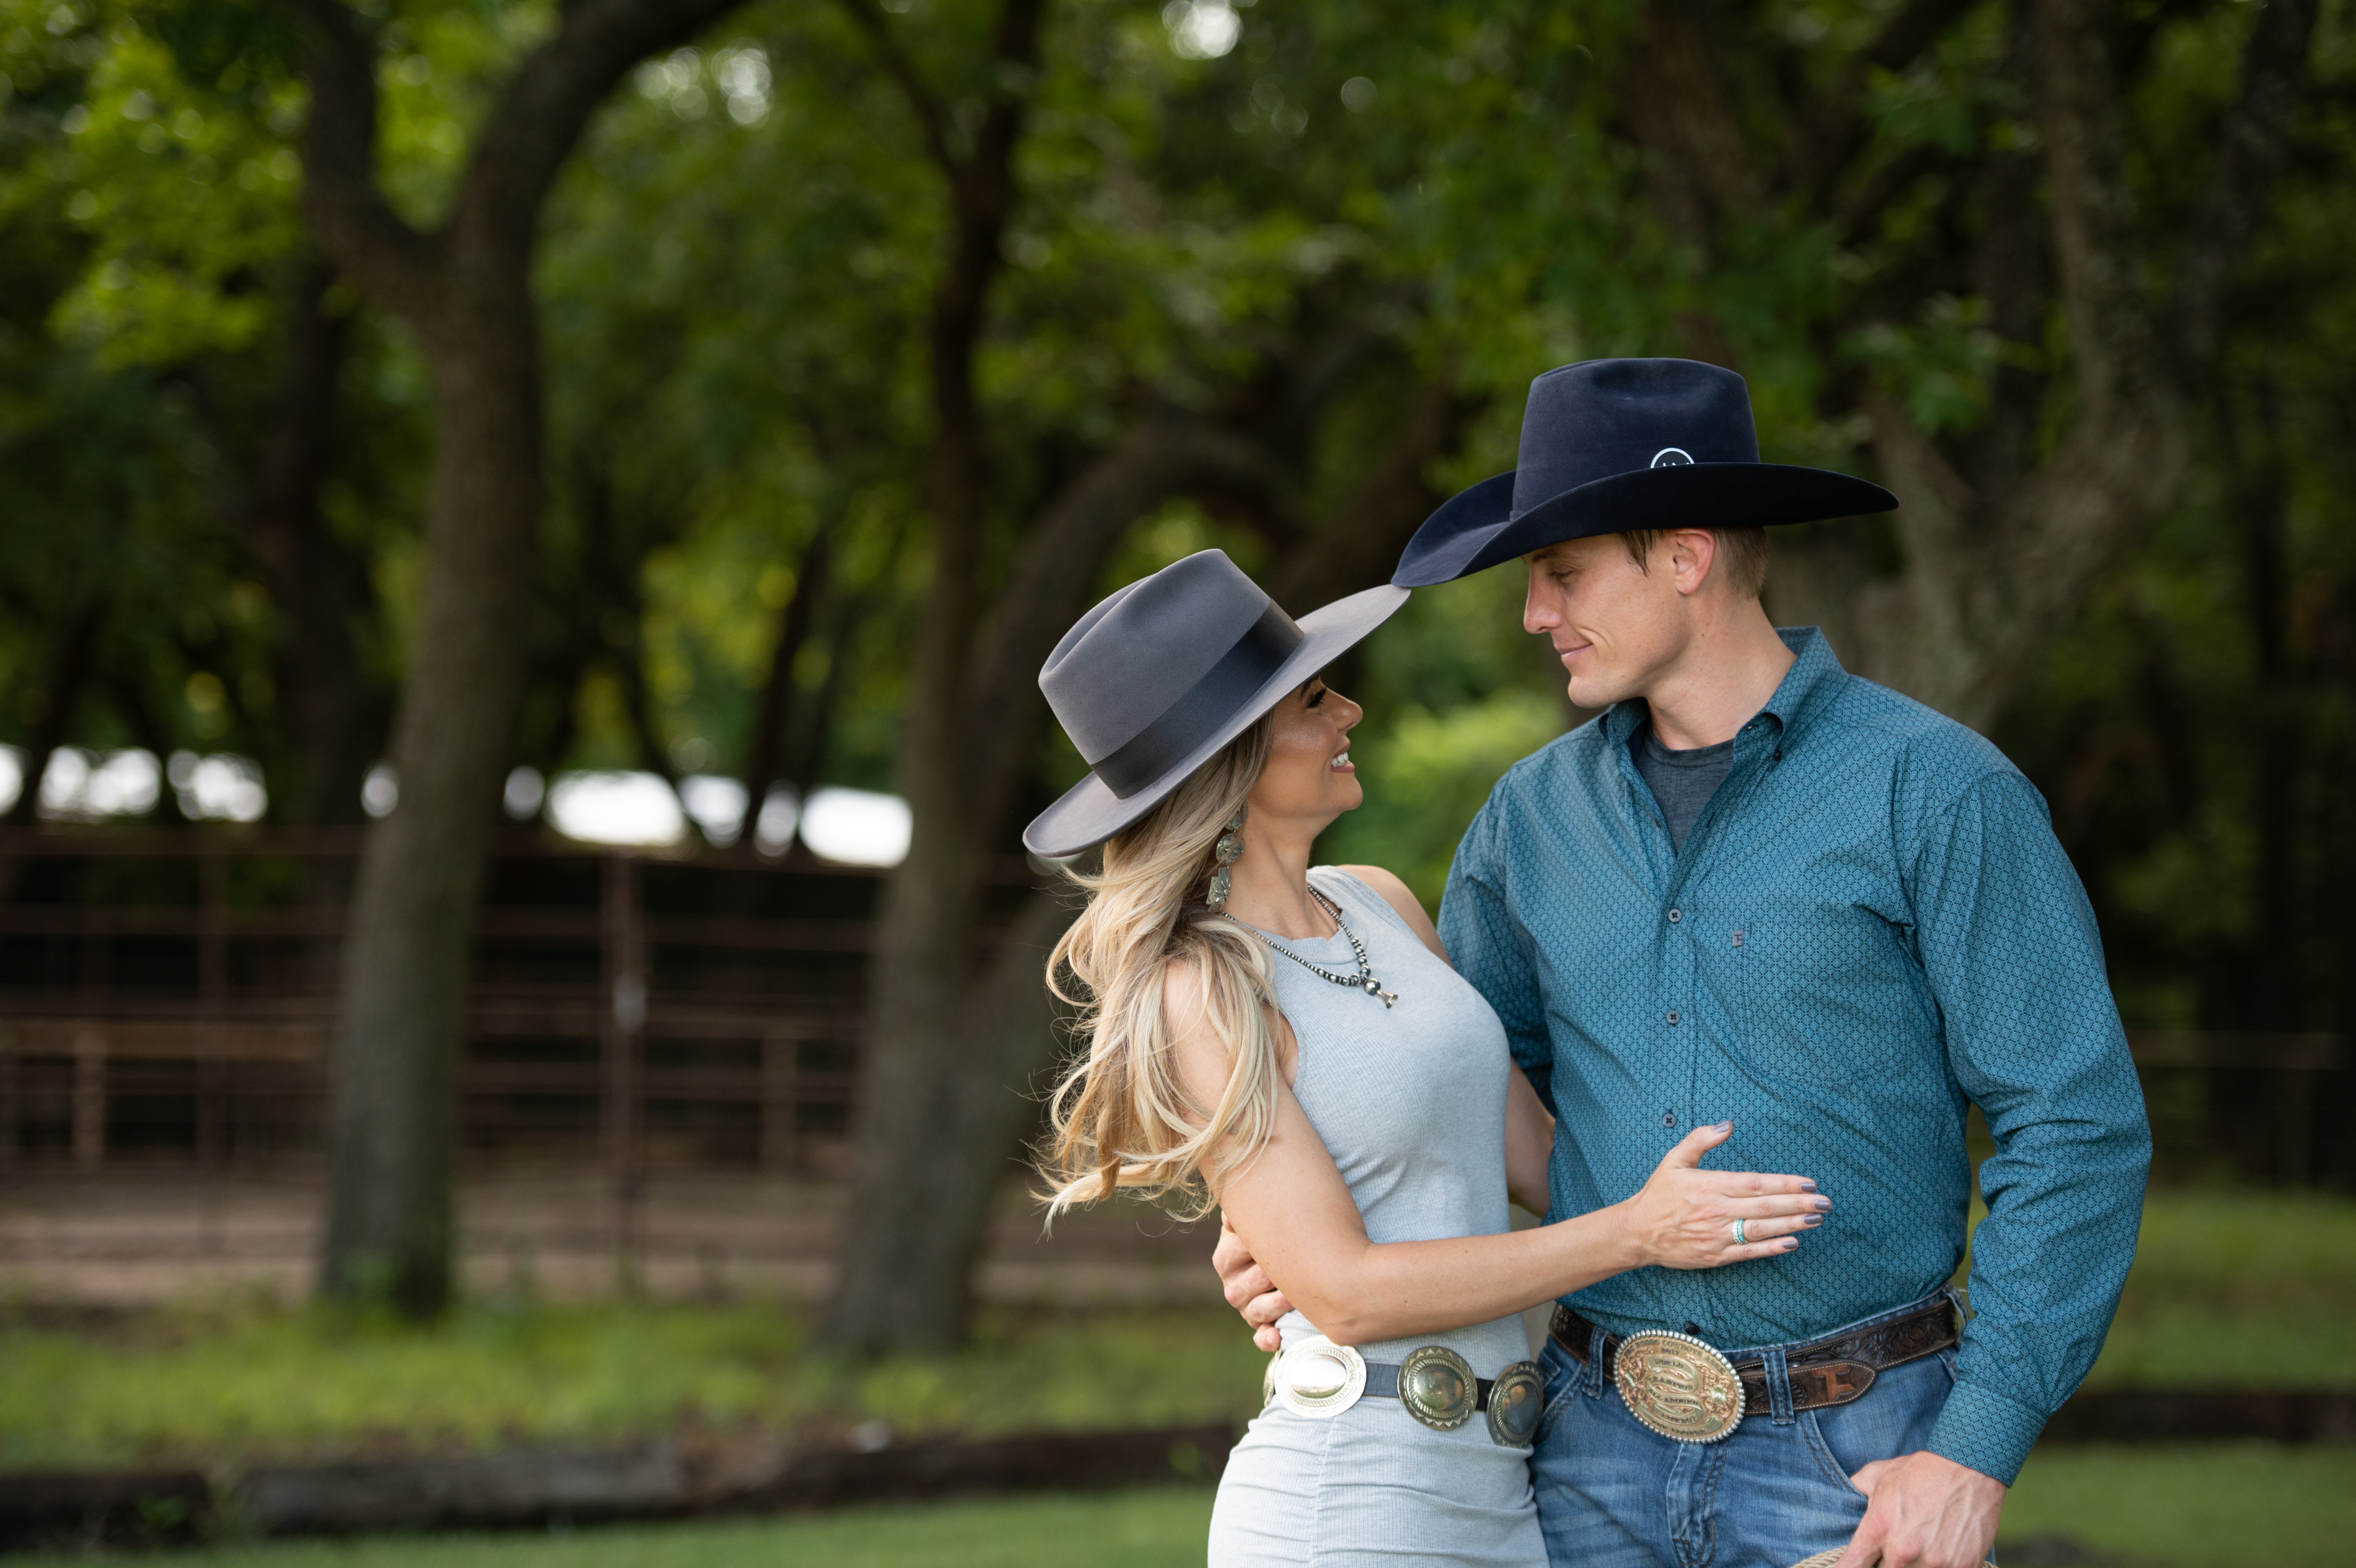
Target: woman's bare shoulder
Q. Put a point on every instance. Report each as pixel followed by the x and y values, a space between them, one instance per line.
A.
pixel 1401 898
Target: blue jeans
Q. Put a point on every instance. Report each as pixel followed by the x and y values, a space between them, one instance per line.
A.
pixel 1612 1494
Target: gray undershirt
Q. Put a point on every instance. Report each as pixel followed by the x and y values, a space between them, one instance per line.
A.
pixel 1682 781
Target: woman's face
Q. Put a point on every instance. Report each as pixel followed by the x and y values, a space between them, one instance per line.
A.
pixel 1308 780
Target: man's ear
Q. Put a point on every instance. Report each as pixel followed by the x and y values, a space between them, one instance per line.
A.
pixel 1692 553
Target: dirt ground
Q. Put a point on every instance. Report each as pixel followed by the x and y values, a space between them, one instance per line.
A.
pixel 127 1237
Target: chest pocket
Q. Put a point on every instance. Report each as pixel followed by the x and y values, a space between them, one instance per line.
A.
pixel 1829 996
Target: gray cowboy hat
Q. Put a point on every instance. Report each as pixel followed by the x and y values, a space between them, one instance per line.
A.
pixel 1152 682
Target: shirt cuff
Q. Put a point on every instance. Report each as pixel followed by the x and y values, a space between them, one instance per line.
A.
pixel 1982 1430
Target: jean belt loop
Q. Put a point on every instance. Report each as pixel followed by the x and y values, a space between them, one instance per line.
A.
pixel 1778 1387
pixel 1595 1337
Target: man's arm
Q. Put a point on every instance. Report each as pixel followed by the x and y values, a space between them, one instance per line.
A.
pixel 2009 943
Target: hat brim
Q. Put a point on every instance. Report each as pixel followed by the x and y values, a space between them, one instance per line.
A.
pixel 1090 813
pixel 1475 528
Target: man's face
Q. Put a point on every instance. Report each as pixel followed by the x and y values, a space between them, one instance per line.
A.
pixel 1614 625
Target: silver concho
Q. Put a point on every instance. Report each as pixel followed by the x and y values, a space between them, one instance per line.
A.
pixel 1517 1400
pixel 1437 1388
pixel 1678 1386
pixel 1318 1378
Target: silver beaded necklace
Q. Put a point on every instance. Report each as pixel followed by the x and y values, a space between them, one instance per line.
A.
pixel 1364 980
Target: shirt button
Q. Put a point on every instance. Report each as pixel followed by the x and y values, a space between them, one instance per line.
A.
pixel 1673 1015
pixel 1669 1118
pixel 1676 915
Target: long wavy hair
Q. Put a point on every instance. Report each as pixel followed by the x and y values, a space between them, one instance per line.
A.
pixel 1119 1119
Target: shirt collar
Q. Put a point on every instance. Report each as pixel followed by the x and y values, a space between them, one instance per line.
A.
pixel 1815 675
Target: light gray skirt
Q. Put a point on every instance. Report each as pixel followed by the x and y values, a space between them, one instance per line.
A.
pixel 1373 1485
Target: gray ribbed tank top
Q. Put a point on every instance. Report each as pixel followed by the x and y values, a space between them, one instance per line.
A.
pixel 1409 1100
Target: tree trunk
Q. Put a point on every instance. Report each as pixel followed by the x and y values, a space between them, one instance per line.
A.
pixel 401 1018
pixel 466 290
pixel 319 586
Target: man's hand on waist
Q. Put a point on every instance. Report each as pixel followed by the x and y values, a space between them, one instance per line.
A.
pixel 1924 1511
pixel 1247 1287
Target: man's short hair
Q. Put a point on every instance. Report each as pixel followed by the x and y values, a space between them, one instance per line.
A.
pixel 1742 555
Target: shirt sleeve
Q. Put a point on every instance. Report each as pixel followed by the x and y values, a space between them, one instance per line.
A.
pixel 1491 948
pixel 2010 946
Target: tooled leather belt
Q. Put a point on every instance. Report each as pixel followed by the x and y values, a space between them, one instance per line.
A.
pixel 1824 1372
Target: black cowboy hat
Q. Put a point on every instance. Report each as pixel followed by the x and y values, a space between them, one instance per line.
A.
pixel 1612 445
pixel 1152 682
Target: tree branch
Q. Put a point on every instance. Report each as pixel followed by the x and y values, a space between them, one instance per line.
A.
pixel 531 131
pixel 2253 142
pixel 1359 545
pixel 1838 129
pixel 548 102
pixel 394 263
pixel 2112 344
pixel 870 19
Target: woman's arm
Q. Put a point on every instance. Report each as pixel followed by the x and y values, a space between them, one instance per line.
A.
pixel 1292 1208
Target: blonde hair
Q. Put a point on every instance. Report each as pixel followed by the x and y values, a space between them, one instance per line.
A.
pixel 1119 1119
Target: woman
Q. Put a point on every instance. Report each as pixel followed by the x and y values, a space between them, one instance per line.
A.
pixel 1290 1043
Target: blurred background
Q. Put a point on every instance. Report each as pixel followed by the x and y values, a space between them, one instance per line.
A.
pixel 530 530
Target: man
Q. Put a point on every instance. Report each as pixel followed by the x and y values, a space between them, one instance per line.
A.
pixel 1761 889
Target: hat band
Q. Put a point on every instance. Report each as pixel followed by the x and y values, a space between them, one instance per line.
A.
pixel 1210 702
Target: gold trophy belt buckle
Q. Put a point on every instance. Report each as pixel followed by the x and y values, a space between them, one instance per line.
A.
pixel 1678 1386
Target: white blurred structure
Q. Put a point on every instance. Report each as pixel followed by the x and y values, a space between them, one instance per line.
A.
pixel 381 791
pixel 857 826
pixel 12 776
pixel 772 830
pixel 223 787
pixel 83 786
pixel 524 791
pixel 716 804
pixel 632 808
pixel 1200 29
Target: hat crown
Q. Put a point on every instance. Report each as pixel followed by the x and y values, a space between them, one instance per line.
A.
pixel 1606 417
pixel 1128 661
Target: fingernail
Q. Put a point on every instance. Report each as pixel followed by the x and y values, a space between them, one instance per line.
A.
pixel 1806 1186
pixel 1814 1219
pixel 1723 1127
pixel 1824 1203
pixel 1791 1242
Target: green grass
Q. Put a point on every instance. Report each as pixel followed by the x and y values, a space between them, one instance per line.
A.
pixel 2238 1288
pixel 1148 1529
pixel 2214 1506
pixel 230 1383
pixel 2228 1288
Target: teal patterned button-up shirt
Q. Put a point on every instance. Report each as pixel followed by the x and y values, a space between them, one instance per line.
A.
pixel 1870 925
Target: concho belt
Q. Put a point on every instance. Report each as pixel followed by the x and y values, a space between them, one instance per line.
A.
pixel 1315 1377
pixel 1682 1388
